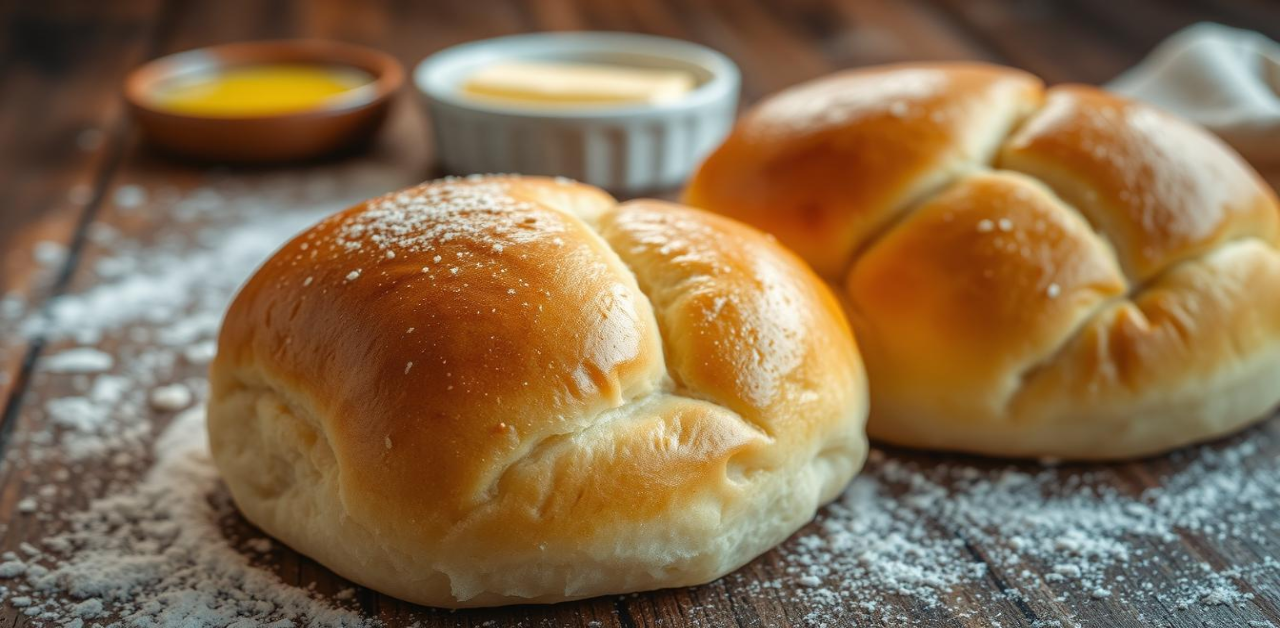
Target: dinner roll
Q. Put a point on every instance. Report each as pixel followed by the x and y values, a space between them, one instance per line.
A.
pixel 502 390
pixel 1028 272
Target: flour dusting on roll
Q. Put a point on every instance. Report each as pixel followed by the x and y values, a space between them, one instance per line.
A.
pixel 502 390
pixel 1029 272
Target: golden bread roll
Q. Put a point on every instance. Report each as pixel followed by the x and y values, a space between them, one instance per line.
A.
pixel 505 390
pixel 1028 272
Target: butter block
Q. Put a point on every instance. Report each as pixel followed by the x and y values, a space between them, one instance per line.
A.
pixel 576 84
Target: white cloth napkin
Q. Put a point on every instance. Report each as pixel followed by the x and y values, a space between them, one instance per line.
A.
pixel 1227 79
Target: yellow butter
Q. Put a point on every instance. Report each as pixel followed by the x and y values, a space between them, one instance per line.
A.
pixel 259 90
pixel 576 84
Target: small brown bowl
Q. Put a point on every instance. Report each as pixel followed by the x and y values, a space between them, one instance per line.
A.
pixel 267 138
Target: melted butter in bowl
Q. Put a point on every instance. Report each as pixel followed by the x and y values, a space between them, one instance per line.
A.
pixel 264 102
pixel 563 84
pixel 261 90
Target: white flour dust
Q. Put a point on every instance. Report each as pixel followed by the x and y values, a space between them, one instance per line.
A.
pixel 156 555
pixel 149 545
pixel 915 530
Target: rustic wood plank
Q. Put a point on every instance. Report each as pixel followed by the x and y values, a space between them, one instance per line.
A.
pixel 777 44
pixel 60 113
pixel 883 31
pixel 1037 37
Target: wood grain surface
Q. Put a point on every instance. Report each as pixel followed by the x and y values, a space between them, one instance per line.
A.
pixel 69 146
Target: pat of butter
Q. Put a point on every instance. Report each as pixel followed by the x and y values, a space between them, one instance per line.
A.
pixel 576 84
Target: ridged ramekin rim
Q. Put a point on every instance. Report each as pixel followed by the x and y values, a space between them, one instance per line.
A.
pixel 723 82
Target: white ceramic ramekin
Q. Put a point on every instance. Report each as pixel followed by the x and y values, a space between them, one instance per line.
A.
pixel 627 149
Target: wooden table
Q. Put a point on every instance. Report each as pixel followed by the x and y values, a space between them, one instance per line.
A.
pixel 61 68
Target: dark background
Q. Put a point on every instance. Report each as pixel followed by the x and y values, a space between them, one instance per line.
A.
pixel 61 68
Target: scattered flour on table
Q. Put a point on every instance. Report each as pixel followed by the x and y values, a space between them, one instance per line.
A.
pixel 915 530
pixel 170 398
pixel 155 555
pixel 49 253
pixel 79 360
pixel 151 547
pixel 130 196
